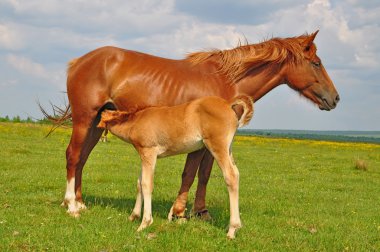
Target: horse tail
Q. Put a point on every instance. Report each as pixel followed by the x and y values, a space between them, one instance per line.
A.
pixel 112 117
pixel 242 105
pixel 59 118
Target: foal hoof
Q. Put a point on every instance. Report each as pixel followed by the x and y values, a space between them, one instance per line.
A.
pixel 170 215
pixel 145 224
pixel 203 215
pixel 81 206
pixel 75 214
pixel 133 217
pixel 231 236
pixel 232 231
pixel 180 218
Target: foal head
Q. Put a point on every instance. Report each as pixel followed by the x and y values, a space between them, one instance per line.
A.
pixel 109 118
pixel 307 75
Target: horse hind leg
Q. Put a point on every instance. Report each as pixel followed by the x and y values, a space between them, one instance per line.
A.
pixel 85 136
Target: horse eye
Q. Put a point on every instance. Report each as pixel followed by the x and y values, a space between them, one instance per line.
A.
pixel 316 63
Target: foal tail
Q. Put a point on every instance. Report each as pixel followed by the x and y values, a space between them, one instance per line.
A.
pixel 112 117
pixel 243 107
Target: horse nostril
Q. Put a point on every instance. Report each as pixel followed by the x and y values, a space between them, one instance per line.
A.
pixel 337 98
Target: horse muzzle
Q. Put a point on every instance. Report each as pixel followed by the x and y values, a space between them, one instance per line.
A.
pixel 328 103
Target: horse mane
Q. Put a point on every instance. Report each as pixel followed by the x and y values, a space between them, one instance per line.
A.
pixel 237 62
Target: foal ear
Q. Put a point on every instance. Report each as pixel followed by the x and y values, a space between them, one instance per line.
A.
pixel 106 117
pixel 102 125
pixel 308 42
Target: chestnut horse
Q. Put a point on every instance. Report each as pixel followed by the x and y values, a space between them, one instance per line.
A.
pixel 159 132
pixel 114 78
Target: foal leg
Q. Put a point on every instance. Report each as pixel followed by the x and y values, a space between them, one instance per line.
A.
pixel 148 162
pixel 136 213
pixel 231 177
pixel 188 175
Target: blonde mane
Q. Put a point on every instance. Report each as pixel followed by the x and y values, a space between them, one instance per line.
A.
pixel 237 62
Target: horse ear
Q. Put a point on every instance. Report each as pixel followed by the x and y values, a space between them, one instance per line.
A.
pixel 309 41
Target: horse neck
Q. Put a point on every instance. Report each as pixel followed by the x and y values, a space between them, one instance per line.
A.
pixel 260 81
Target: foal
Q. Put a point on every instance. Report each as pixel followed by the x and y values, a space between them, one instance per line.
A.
pixel 157 132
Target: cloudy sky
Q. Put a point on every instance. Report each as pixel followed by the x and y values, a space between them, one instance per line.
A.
pixel 38 38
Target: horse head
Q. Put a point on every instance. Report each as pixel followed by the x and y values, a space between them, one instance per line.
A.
pixel 308 76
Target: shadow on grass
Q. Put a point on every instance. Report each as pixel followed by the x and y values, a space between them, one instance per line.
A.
pixel 161 208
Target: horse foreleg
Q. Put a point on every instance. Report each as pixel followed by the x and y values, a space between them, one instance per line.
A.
pixel 204 173
pixel 191 166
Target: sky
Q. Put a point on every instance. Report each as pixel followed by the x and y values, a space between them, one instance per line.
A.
pixel 39 37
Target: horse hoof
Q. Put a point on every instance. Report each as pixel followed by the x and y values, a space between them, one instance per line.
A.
pixel 203 215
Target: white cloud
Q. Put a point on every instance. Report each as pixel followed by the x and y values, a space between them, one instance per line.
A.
pixel 27 66
pixel 117 17
pixel 191 37
pixel 38 37
pixel 33 69
pixel 8 83
pixel 9 38
pixel 54 7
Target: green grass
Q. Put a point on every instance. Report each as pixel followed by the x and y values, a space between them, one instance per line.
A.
pixel 295 195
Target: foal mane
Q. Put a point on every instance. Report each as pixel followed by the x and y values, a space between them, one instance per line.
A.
pixel 237 62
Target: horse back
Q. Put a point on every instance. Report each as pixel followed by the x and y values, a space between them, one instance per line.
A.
pixel 129 79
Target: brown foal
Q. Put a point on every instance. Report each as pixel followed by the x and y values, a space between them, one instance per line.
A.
pixel 158 132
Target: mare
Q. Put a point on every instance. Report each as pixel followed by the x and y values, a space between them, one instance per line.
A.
pixel 157 132
pixel 114 78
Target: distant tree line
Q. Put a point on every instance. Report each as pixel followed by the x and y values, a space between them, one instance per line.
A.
pixel 18 119
pixel 335 138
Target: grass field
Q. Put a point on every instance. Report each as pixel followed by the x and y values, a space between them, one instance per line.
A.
pixel 295 195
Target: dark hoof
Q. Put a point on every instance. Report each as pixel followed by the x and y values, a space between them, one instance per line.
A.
pixel 176 217
pixel 203 215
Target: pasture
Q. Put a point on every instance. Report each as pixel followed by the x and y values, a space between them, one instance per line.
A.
pixel 295 195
